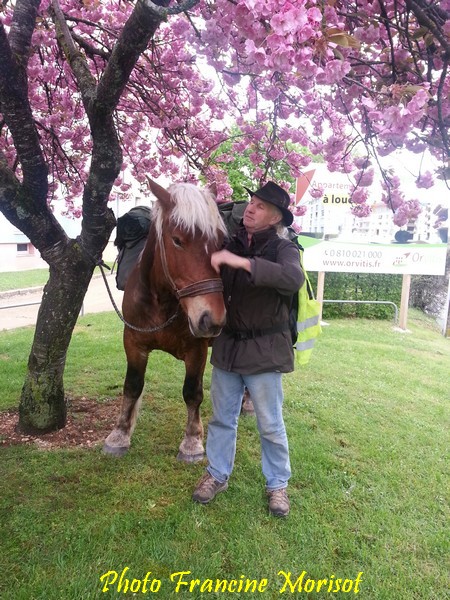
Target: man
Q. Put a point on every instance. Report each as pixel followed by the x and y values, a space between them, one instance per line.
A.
pixel 260 271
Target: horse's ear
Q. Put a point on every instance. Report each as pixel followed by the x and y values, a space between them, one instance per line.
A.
pixel 162 194
pixel 212 189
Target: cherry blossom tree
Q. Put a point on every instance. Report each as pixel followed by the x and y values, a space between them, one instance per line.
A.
pixel 100 93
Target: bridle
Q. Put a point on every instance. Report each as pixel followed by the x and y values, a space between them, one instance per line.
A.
pixel 204 286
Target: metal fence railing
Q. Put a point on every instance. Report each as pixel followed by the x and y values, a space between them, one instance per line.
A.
pixel 367 302
pixel 20 305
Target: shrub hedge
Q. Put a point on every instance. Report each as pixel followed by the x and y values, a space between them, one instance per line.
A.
pixel 360 286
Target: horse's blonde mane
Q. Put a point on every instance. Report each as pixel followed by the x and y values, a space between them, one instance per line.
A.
pixel 193 209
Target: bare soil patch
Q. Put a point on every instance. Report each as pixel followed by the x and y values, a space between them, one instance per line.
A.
pixel 88 423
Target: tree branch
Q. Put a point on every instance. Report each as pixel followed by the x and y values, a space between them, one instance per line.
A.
pixel 90 49
pixel 17 113
pixel 441 119
pixel 39 225
pixel 133 41
pixel 76 60
pixel 162 12
pixel 422 12
pixel 22 27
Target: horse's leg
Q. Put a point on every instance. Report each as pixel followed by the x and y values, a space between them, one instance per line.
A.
pixel 118 441
pixel 247 409
pixel 191 448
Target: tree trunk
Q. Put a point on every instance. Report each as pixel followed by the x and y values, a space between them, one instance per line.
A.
pixel 42 404
pixel 24 200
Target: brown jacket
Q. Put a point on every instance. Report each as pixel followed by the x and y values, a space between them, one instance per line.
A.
pixel 256 338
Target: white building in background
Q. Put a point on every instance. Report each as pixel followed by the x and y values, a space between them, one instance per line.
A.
pixel 329 215
pixel 17 253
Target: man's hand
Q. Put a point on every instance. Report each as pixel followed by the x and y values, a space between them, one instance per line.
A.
pixel 225 257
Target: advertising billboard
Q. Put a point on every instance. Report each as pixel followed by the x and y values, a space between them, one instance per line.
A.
pixel 337 241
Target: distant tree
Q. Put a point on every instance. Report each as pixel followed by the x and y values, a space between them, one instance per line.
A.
pixel 428 293
pixel 239 171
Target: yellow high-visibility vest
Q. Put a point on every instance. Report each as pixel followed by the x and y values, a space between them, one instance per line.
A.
pixel 308 320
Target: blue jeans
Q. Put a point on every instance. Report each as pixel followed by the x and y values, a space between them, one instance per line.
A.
pixel 266 392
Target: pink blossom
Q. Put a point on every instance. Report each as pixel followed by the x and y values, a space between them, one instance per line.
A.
pixel 359 196
pixel 414 208
pixel 400 217
pixel 300 210
pixel 394 198
pixel 365 178
pixel 361 210
pixel 267 66
pixel 362 162
pixel 277 154
pixel 314 15
pixel 425 180
pixel 316 191
pixel 286 23
pixel 368 34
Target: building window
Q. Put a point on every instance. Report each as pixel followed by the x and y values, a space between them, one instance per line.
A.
pixel 22 248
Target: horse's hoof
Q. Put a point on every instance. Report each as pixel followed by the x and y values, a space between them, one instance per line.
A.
pixel 190 458
pixel 115 450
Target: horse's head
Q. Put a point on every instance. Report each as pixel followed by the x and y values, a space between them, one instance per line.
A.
pixel 189 229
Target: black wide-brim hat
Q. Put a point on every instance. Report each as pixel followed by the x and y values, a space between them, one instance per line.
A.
pixel 274 194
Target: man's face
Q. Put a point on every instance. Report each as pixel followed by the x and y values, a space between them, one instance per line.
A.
pixel 260 215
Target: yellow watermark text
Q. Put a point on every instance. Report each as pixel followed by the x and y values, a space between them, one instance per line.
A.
pixel 332 585
pixel 285 582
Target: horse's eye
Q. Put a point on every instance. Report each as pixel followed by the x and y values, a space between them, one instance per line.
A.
pixel 177 242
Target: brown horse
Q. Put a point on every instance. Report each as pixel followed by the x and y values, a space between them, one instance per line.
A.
pixel 172 302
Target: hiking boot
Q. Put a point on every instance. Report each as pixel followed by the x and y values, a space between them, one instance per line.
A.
pixel 278 502
pixel 207 488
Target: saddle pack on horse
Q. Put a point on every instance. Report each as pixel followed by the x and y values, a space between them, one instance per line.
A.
pixel 132 231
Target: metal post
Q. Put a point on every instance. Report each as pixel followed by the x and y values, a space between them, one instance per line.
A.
pixel 404 302
pixel 320 289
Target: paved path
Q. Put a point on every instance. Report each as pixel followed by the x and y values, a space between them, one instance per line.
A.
pixel 96 300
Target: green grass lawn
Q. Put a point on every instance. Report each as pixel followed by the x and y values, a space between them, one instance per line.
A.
pixel 16 280
pixel 368 424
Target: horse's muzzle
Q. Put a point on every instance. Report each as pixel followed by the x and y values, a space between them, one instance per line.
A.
pixel 205 326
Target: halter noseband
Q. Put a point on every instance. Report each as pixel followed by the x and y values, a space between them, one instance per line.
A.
pixel 205 286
